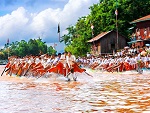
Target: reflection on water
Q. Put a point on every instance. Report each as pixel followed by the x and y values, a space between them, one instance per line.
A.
pixel 107 93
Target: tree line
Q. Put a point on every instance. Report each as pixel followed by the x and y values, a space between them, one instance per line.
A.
pixel 23 48
pixel 102 18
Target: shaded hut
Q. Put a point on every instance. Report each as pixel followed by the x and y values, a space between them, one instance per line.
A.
pixel 107 43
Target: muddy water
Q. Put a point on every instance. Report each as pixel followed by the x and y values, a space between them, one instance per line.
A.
pixel 109 93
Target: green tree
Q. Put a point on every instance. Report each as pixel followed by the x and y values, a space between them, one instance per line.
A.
pixel 33 47
pixel 103 18
pixel 77 37
pixel 22 48
pixel 41 46
pixel 67 39
pixel 13 48
pixel 51 50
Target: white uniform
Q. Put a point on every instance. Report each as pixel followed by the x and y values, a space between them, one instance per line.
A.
pixel 56 60
pixel 63 60
pixel 70 60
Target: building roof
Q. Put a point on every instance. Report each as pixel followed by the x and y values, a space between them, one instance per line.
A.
pixel 99 36
pixel 145 18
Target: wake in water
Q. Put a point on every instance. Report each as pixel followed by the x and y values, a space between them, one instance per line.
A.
pixel 80 77
pixel 51 77
pixel 104 92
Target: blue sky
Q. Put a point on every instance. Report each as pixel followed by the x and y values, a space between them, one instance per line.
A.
pixel 7 6
pixel 25 19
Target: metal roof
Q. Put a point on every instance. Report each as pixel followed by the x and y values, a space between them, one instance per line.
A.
pixel 145 18
pixel 99 36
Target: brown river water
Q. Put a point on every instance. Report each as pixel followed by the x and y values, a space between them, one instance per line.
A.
pixel 102 93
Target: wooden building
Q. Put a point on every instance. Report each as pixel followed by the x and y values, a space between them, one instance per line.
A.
pixel 141 35
pixel 107 43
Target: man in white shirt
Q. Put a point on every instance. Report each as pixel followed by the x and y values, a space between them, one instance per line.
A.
pixel 57 58
pixel 70 59
pixel 63 58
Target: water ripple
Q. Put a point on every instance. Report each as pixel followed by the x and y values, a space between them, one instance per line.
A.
pixel 108 93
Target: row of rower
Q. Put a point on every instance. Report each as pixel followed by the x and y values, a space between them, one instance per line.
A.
pixel 40 65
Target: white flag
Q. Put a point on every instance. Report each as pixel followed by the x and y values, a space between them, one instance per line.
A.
pixel 116 12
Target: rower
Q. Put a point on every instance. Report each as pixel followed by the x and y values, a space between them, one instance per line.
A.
pixel 70 59
pixel 63 59
pixel 57 58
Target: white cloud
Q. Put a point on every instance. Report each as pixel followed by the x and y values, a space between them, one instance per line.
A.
pixel 22 24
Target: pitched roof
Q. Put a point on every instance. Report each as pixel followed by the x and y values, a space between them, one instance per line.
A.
pixel 99 36
pixel 145 18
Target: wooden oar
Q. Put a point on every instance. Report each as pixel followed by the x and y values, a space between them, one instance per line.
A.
pixel 88 74
pixel 27 70
pixel 3 71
